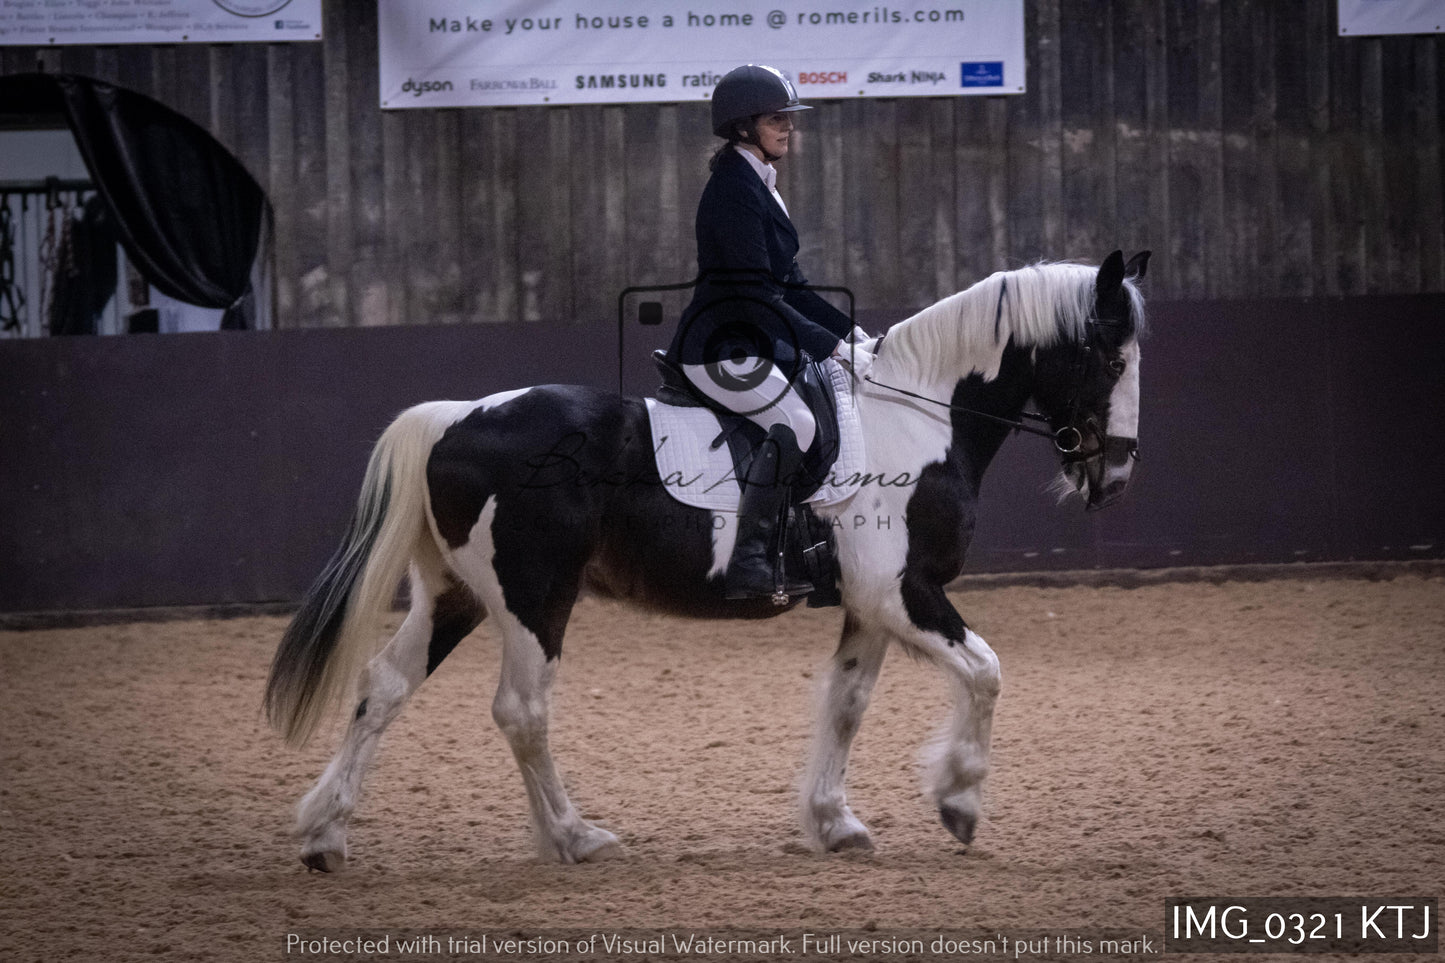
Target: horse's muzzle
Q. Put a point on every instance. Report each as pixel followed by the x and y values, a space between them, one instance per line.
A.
pixel 1109 471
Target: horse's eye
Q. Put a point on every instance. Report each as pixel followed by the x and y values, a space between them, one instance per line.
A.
pixel 1117 366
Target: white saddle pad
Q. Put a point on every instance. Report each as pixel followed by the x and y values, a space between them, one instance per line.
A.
pixel 696 474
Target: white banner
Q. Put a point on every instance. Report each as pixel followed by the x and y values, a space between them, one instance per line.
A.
pixel 1363 18
pixel 64 22
pixel 450 53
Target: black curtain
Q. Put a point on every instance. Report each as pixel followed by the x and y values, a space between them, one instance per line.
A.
pixel 189 215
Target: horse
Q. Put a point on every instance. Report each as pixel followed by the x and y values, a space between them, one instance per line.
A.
pixel 514 504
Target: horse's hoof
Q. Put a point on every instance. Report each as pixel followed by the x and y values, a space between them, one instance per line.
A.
pixel 855 841
pixel 595 847
pixel 832 829
pixel 324 862
pixel 961 824
pixel 602 853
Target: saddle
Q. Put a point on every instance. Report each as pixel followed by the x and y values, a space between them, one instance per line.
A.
pixel 743 436
pixel 807 539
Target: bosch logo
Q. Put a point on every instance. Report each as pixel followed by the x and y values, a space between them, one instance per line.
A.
pixel 820 78
pixel 418 87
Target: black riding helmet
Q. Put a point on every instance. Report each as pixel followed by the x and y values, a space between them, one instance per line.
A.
pixel 750 90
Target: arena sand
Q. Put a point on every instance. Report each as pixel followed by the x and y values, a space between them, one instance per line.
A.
pixel 1241 739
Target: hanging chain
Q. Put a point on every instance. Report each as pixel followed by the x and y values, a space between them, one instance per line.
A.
pixel 57 254
pixel 12 299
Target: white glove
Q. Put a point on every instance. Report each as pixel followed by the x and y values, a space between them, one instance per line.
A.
pixel 858 335
pixel 856 358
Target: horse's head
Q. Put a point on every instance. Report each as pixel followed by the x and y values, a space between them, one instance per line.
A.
pixel 1088 387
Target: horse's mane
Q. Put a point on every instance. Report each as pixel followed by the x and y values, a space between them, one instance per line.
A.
pixel 1035 306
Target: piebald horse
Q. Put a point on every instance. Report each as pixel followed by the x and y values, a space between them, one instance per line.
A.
pixel 514 504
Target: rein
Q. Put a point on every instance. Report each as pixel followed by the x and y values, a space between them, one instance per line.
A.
pixel 1072 446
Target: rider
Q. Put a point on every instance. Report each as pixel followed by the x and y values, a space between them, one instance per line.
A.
pixel 750 327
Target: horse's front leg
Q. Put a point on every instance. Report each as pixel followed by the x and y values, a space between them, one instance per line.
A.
pixel 828 823
pixel 959 757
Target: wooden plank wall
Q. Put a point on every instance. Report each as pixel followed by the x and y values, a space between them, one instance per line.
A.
pixel 1257 153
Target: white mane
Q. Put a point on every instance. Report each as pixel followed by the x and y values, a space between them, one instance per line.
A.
pixel 966 333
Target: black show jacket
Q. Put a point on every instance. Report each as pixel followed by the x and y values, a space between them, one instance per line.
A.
pixel 746 300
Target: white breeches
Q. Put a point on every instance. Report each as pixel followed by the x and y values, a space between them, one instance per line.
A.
pixel 773 401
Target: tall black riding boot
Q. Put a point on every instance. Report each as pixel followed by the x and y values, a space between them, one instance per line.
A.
pixel 752 571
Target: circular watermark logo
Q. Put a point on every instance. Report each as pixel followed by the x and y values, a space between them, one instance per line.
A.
pixel 748 363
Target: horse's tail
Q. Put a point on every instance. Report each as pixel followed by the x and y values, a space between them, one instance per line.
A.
pixel 334 633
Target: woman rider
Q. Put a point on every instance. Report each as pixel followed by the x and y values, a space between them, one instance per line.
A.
pixel 751 326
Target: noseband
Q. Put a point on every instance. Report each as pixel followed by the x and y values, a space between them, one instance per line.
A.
pixel 1068 440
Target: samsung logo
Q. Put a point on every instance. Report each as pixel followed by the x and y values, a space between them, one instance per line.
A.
pixel 619 81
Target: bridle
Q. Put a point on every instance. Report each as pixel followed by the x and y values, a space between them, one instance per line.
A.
pixel 1068 440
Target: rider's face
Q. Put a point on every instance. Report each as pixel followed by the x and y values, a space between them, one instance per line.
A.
pixel 774 131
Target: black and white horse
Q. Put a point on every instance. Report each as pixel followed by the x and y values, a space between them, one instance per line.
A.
pixel 514 504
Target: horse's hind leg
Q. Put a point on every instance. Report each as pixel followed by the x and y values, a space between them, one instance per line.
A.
pixel 828 823
pixel 527 570
pixel 520 709
pixel 441 615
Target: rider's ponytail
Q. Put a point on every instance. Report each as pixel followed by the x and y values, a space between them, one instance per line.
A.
pixel 744 131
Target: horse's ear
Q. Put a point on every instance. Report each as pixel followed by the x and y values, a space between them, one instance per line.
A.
pixel 1111 274
pixel 1137 265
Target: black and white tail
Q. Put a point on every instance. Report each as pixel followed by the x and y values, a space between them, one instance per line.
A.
pixel 335 632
